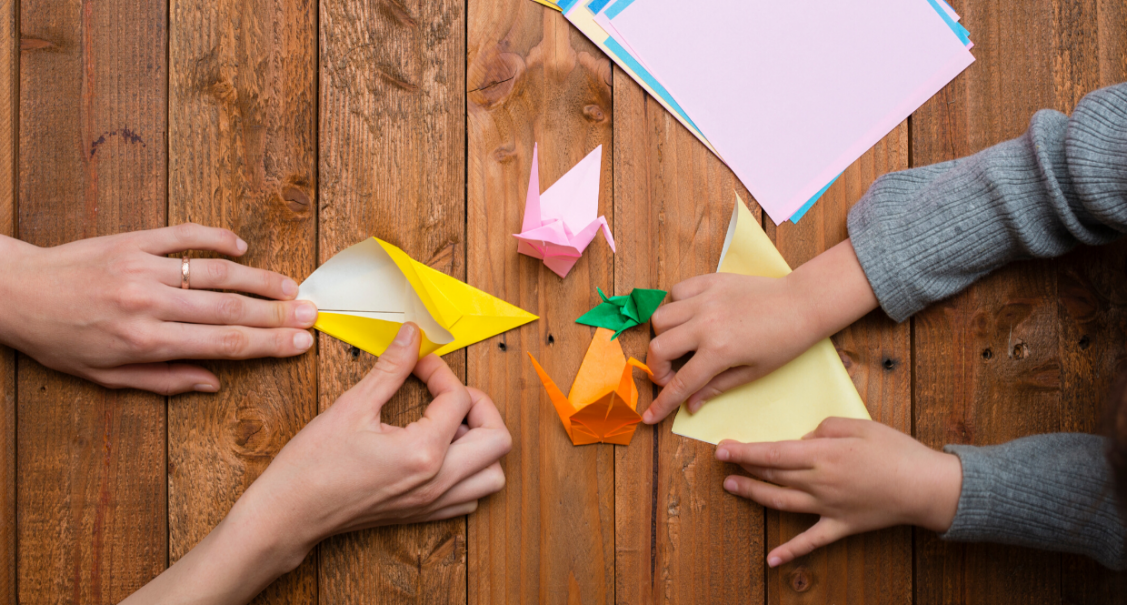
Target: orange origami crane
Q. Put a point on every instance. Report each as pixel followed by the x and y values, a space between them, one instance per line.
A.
pixel 601 407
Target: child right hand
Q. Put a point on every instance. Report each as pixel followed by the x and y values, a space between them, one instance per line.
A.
pixel 740 328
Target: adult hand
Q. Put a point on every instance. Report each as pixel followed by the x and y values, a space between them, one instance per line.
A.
pixel 858 475
pixel 111 309
pixel 740 328
pixel 349 470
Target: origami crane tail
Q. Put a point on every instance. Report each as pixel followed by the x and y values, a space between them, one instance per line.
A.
pixel 564 408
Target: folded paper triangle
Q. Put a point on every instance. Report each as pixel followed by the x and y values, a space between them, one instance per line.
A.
pixel 367 291
pixel 789 402
pixel 602 405
pixel 560 223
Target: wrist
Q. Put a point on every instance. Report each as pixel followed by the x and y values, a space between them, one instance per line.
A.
pixel 258 525
pixel 940 494
pixel 833 290
pixel 13 255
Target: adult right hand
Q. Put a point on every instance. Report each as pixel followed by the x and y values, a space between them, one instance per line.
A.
pixel 349 470
pixel 111 309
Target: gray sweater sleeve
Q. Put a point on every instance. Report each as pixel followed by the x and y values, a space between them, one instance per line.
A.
pixel 927 233
pixel 1046 491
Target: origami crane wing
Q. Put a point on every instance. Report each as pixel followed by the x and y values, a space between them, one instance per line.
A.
pixel 367 291
pixel 560 223
pixel 602 405
pixel 792 400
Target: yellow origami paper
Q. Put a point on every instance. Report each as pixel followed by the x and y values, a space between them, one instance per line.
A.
pixel 602 406
pixel 791 401
pixel 366 292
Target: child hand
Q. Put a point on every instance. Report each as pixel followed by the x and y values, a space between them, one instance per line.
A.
pixel 740 328
pixel 111 309
pixel 858 475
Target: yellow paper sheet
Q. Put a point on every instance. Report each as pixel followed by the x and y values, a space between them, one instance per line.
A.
pixel 367 291
pixel 789 402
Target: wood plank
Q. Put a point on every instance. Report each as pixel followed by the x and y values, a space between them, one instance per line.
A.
pixel 9 124
pixel 987 363
pixel 1093 326
pixel 91 491
pixel 873 567
pixel 392 165
pixel 679 537
pixel 243 151
pixel 549 536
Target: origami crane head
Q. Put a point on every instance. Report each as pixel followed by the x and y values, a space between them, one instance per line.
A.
pixel 560 223
pixel 602 405
pixel 367 291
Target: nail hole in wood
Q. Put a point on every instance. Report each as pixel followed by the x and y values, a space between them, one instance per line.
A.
pixel 551 339
pixel 355 352
pixel 1085 342
pixel 889 364
pixel 987 353
pixel 502 346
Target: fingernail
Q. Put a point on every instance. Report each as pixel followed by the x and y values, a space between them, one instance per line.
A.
pixel 289 287
pixel 647 417
pixel 306 313
pixel 730 484
pixel 722 455
pixel 302 341
pixel 240 245
pixel 774 562
pixel 206 388
pixel 695 406
pixel 406 334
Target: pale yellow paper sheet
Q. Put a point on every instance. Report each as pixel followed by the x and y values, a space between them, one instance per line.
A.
pixel 789 402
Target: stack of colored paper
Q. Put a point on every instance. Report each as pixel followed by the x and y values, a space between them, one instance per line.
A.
pixel 788 94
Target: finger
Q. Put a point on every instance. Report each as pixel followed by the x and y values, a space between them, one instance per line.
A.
pixel 671 315
pixel 461 432
pixel 222 309
pixel 485 482
pixel 221 274
pixel 790 455
pixel 772 496
pixel 722 382
pixel 451 402
pixel 160 378
pixel 391 369
pixel 483 413
pixel 688 380
pixel 458 510
pixel 190 236
pixel 798 479
pixel 197 341
pixel 691 287
pixel 841 427
pixel 825 531
pixel 486 441
pixel 667 347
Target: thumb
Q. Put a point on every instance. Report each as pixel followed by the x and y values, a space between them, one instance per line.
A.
pixel 160 378
pixel 392 368
pixel 824 532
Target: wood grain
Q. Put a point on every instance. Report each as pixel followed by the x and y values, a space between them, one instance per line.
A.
pixel 987 362
pixel 392 149
pixel 9 135
pixel 243 156
pixel 873 567
pixel 91 491
pixel 549 536
pixel 679 537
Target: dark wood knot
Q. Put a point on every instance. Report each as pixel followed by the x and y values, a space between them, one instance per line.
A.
pixel 800 579
pixel 594 113
pixel 297 200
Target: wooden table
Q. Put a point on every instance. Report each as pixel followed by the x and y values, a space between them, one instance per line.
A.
pixel 306 128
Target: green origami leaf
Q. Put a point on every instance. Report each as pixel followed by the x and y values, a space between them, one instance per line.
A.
pixel 620 313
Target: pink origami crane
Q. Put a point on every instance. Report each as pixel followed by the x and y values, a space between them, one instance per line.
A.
pixel 560 223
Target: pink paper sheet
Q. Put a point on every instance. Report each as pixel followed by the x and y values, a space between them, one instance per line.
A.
pixel 791 93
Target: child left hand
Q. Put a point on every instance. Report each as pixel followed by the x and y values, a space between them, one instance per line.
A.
pixel 858 475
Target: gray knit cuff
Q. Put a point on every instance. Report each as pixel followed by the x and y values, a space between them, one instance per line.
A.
pixel 867 234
